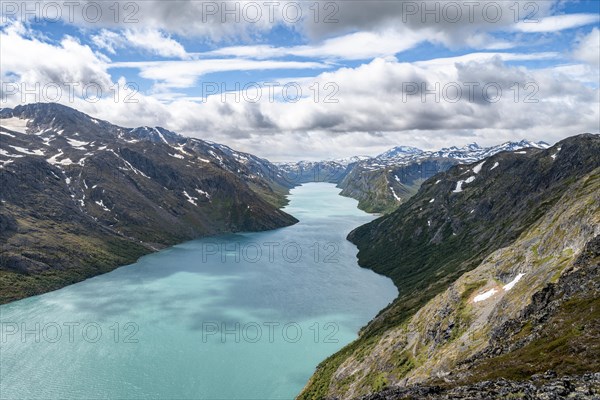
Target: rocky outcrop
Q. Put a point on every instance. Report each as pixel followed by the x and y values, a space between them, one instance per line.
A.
pixel 544 387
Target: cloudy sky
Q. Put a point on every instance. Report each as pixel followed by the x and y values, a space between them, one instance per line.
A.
pixel 314 79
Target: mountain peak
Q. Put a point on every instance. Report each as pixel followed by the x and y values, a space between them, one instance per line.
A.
pixel 399 151
pixel 473 146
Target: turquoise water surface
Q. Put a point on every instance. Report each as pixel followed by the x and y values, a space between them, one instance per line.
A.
pixel 244 316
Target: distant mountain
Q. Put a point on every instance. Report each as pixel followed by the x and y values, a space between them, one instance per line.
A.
pixel 399 152
pixel 497 265
pixel 466 154
pixel 81 196
pixel 382 183
pixel 332 171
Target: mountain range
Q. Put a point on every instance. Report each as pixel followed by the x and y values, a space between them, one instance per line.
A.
pixel 81 196
pixel 382 183
pixel 495 251
pixel 496 263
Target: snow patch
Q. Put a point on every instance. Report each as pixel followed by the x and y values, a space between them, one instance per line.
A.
pixel 160 135
pixel 470 179
pixel 66 161
pixel 7 154
pixel 212 153
pixel 432 200
pixel 77 143
pixel 484 296
pixel 477 168
pixel 495 165
pixel 202 192
pixel 190 199
pixel 239 157
pixel 394 194
pixel 48 140
pixel 101 204
pixel 512 283
pixel 27 151
pixel 53 160
pixel 14 124
pixel 180 149
pixel 458 187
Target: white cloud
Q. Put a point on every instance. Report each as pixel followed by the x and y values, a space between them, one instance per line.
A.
pixel 108 40
pixel 557 23
pixel 184 74
pixel 150 40
pixel 354 46
pixel 212 22
pixel 375 108
pixel 375 111
pixel 588 48
pixel 27 60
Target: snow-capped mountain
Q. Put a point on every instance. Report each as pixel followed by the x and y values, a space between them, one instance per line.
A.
pixel 403 155
pixel 399 152
pixel 383 182
pixel 332 171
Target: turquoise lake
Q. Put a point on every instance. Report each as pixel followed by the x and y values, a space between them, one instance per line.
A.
pixel 241 316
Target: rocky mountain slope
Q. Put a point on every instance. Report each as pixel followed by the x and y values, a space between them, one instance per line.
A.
pixel 497 267
pixel 382 183
pixel 81 196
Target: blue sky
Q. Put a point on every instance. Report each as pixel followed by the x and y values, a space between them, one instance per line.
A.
pixel 356 70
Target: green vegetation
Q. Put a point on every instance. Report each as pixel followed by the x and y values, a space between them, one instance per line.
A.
pixel 379 383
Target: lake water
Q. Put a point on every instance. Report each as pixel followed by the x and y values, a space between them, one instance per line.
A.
pixel 243 316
